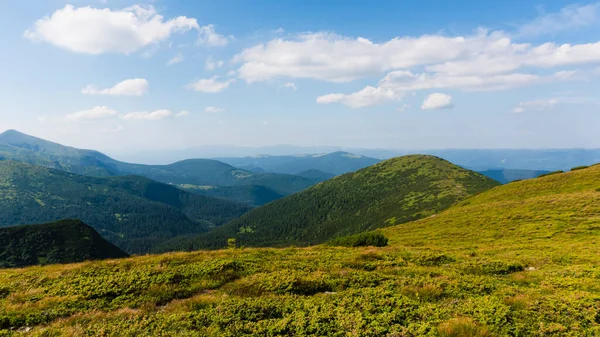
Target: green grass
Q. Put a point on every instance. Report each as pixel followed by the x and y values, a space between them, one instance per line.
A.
pixel 517 260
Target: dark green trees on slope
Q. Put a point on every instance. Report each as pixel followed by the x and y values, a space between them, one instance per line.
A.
pixel 392 192
pixel 134 213
pixel 63 241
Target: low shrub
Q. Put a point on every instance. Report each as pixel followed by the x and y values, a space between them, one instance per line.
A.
pixel 550 173
pixel 375 238
pixel 462 326
pixel 579 167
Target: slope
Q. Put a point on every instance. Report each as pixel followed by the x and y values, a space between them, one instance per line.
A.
pixel 335 163
pixel 537 213
pixel 133 212
pixel 394 191
pixel 65 241
pixel 518 260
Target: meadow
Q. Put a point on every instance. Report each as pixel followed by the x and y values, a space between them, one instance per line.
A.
pixel 518 260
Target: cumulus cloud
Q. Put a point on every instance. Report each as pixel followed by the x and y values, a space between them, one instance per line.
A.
pixel 290 85
pixel 537 105
pixel 570 17
pixel 175 59
pixel 212 64
pixel 131 87
pixel 153 115
pixel 208 36
pixel 213 109
pixel 182 114
pixel 95 31
pixel 437 101
pixel 367 97
pixel 210 85
pixel 95 113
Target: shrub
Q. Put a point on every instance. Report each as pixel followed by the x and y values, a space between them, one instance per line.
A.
pixel 550 173
pixel 365 239
pixel 579 167
pixel 461 326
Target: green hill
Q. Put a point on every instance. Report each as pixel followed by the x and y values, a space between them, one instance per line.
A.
pixel 538 213
pixel 64 241
pixel 517 260
pixel 392 192
pixel 335 163
pixel 133 212
pixel 195 172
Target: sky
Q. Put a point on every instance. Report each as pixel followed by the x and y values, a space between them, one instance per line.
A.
pixel 123 76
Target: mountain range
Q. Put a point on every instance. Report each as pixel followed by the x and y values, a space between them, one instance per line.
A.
pixel 133 212
pixel 194 174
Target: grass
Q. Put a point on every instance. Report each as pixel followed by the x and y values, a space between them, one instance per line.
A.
pixel 518 260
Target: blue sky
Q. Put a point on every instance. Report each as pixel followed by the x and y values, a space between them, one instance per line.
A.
pixel 122 76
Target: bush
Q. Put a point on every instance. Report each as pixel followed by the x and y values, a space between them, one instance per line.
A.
pixel 579 167
pixel 550 173
pixel 365 239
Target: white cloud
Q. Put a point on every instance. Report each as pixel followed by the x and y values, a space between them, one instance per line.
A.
pixel 570 17
pixel 367 97
pixel 538 105
pixel 175 59
pixel 154 115
pixel 209 37
pixel 211 64
pixel 98 112
pixel 210 85
pixel 402 80
pixel 335 58
pixel 290 85
pixel 131 87
pixel 213 109
pixel 182 114
pixel 95 31
pixel 437 101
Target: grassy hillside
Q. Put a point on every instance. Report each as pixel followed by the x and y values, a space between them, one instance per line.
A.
pixel 518 260
pixel 506 176
pixel 392 192
pixel 197 172
pixel 335 163
pixel 133 212
pixel 65 241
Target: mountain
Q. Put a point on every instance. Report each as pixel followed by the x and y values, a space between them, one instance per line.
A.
pixel 64 241
pixel 196 172
pixel 24 148
pixel 508 175
pixel 335 163
pixel 517 260
pixel 388 193
pixel 135 213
